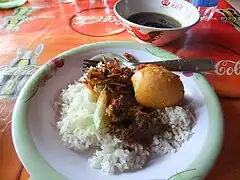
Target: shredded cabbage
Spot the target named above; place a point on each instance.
(99, 114)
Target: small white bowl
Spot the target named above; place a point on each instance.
(183, 11)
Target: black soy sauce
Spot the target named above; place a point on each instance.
(155, 20)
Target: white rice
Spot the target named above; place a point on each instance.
(114, 158)
(78, 132)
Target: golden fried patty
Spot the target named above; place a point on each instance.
(156, 87)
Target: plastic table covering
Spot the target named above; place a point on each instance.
(34, 33)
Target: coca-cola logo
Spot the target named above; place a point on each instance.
(82, 20)
(227, 67)
(165, 2)
(96, 23)
(41, 17)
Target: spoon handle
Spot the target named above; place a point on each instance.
(186, 65)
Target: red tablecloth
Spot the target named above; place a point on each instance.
(52, 30)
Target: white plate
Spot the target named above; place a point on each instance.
(41, 151)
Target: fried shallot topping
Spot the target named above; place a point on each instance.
(111, 75)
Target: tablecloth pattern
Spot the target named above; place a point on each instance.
(34, 33)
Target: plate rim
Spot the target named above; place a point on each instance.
(29, 155)
(12, 4)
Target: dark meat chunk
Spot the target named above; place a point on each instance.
(120, 108)
(138, 128)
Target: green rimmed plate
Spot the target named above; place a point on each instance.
(38, 144)
(11, 4)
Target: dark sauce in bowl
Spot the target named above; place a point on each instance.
(155, 20)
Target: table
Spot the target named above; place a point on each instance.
(46, 27)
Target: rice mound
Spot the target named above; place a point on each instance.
(78, 132)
